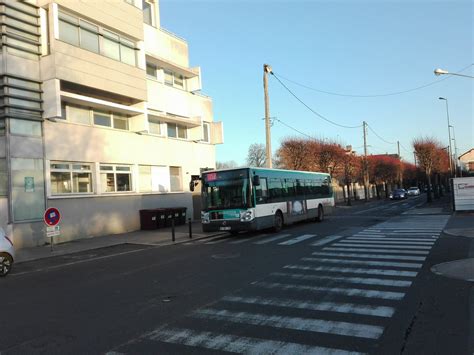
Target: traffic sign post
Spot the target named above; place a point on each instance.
(51, 219)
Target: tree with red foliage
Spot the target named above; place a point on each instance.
(351, 167)
(294, 154)
(329, 157)
(384, 169)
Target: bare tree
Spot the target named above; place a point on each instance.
(256, 155)
(226, 164)
(427, 152)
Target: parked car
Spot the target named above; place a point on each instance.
(413, 191)
(398, 194)
(7, 253)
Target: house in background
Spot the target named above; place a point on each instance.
(466, 161)
(101, 116)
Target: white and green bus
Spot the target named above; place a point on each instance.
(249, 199)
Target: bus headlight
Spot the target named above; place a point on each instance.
(205, 217)
(246, 216)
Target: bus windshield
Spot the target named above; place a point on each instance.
(226, 191)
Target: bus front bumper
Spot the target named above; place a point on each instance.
(229, 226)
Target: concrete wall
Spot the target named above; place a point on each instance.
(80, 66)
(179, 102)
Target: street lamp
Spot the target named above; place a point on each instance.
(449, 135)
(445, 72)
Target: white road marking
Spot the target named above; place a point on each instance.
(353, 270)
(385, 242)
(272, 239)
(400, 246)
(353, 280)
(298, 239)
(397, 251)
(351, 292)
(217, 241)
(365, 262)
(369, 310)
(430, 240)
(371, 256)
(235, 344)
(358, 330)
(326, 240)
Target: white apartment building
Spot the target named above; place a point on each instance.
(101, 116)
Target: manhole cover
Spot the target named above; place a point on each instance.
(226, 256)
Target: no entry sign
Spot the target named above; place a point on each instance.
(52, 216)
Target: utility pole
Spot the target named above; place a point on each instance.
(366, 167)
(267, 69)
(450, 152)
(414, 157)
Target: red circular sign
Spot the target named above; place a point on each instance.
(52, 216)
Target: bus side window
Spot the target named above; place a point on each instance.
(261, 191)
(300, 188)
(275, 190)
(325, 187)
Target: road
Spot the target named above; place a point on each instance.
(359, 282)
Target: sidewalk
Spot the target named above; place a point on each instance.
(162, 236)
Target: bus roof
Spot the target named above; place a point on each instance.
(267, 170)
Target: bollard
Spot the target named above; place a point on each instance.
(172, 230)
(190, 229)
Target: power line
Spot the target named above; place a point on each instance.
(379, 136)
(309, 108)
(405, 148)
(375, 95)
(293, 128)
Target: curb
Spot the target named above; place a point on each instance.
(151, 245)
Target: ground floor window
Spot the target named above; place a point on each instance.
(115, 178)
(70, 178)
(3, 177)
(153, 178)
(175, 178)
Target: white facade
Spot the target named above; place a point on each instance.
(103, 117)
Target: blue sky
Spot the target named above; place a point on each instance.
(349, 47)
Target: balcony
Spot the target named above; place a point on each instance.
(77, 65)
(166, 46)
(164, 98)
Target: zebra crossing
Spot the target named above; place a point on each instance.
(338, 299)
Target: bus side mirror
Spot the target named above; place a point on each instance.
(194, 181)
(256, 180)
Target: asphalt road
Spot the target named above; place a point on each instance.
(359, 282)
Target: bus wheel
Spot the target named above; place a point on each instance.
(320, 216)
(278, 222)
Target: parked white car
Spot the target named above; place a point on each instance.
(413, 191)
(7, 253)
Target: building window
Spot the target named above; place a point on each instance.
(154, 126)
(177, 131)
(151, 70)
(174, 79)
(86, 115)
(115, 178)
(96, 39)
(102, 119)
(148, 13)
(175, 178)
(168, 77)
(153, 178)
(89, 36)
(2, 126)
(70, 178)
(205, 132)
